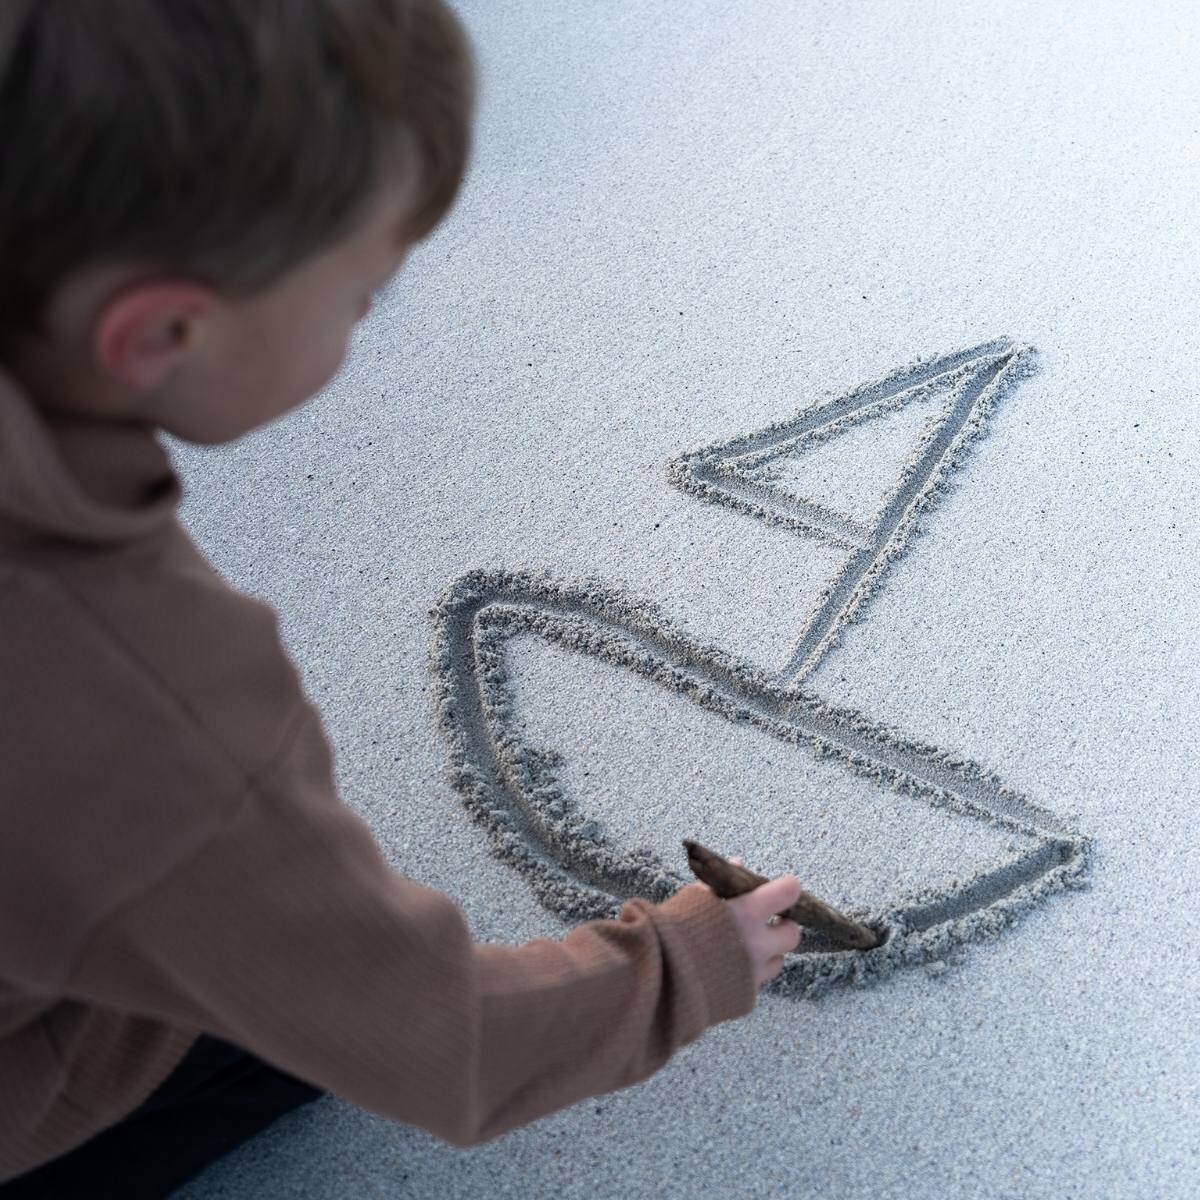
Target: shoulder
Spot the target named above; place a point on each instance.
(165, 626)
(141, 699)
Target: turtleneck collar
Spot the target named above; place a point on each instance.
(83, 479)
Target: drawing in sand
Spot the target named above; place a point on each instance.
(513, 790)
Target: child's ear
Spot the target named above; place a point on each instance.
(144, 330)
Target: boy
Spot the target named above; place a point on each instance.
(197, 201)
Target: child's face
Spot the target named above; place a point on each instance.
(259, 357)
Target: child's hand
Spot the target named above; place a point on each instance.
(767, 943)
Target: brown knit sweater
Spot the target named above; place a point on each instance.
(174, 858)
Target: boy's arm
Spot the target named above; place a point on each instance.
(288, 934)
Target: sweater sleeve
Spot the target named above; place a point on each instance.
(288, 934)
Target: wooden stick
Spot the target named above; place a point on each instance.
(729, 880)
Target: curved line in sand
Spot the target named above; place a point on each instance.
(512, 789)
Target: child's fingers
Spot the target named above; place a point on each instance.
(784, 937)
(774, 896)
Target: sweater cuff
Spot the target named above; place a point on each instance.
(698, 926)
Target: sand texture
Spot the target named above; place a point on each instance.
(789, 443)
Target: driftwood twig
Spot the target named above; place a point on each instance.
(729, 880)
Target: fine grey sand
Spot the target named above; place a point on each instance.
(650, 770)
(686, 224)
(853, 473)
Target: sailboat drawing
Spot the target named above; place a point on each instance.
(514, 791)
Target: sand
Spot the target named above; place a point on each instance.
(789, 443)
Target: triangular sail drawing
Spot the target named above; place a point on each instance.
(737, 473)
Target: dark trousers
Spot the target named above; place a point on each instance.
(218, 1097)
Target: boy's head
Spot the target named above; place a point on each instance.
(198, 197)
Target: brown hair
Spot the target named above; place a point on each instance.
(224, 139)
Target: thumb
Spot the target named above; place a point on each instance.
(774, 896)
